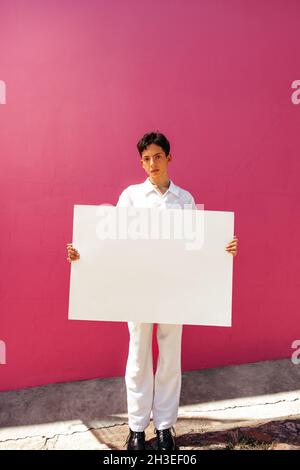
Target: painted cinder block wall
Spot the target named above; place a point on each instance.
(84, 81)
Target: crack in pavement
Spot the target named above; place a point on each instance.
(238, 406)
(62, 434)
(45, 447)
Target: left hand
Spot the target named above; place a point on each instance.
(232, 246)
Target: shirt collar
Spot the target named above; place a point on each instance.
(149, 187)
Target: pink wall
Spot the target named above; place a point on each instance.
(84, 81)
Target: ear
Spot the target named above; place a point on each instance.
(169, 157)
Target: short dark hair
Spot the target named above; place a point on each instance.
(153, 138)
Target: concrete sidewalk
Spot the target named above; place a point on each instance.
(253, 405)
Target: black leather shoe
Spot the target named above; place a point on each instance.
(135, 440)
(165, 439)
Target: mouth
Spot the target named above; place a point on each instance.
(154, 171)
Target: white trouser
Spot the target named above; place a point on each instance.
(144, 393)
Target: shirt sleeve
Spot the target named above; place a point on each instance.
(190, 201)
(193, 203)
(124, 199)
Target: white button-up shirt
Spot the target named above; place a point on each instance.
(145, 195)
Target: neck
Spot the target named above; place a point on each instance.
(164, 180)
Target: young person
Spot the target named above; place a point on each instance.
(147, 394)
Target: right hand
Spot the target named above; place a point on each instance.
(73, 254)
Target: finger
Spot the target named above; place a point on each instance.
(72, 253)
(233, 243)
(231, 248)
(71, 260)
(72, 250)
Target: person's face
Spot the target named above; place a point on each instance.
(155, 161)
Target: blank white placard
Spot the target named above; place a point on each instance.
(151, 280)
